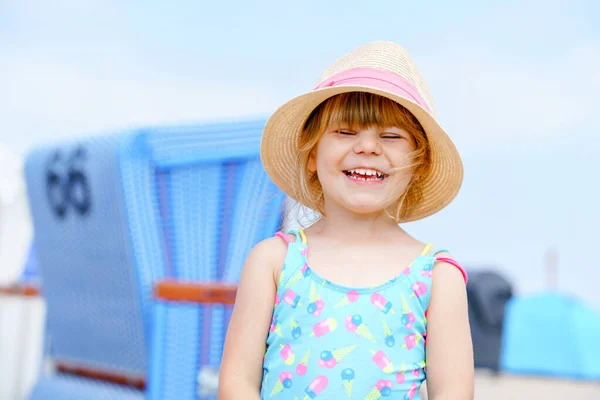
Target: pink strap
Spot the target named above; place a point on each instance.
(380, 79)
(284, 237)
(457, 265)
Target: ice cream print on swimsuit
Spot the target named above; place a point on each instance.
(326, 339)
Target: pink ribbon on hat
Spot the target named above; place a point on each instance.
(376, 78)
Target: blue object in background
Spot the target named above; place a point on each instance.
(65, 387)
(551, 334)
(215, 203)
(113, 215)
(31, 271)
(91, 289)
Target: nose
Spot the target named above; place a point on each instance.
(367, 143)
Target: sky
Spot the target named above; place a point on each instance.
(516, 85)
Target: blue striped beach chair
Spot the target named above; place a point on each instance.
(210, 225)
(113, 215)
(94, 308)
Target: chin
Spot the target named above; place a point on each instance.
(365, 208)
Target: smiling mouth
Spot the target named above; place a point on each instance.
(366, 175)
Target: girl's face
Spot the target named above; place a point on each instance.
(363, 170)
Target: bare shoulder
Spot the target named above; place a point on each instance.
(270, 248)
(448, 281)
(448, 271)
(270, 252)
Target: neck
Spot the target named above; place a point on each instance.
(339, 221)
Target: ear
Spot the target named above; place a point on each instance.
(312, 162)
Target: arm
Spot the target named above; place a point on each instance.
(450, 366)
(241, 367)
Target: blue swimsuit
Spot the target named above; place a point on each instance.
(329, 341)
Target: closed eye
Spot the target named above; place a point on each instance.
(345, 132)
(391, 136)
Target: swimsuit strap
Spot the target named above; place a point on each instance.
(295, 258)
(456, 264)
(284, 237)
(435, 253)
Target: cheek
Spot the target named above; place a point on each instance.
(327, 159)
(403, 160)
(404, 170)
(322, 162)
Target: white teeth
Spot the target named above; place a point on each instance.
(370, 174)
(367, 172)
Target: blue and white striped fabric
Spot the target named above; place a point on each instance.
(216, 202)
(81, 236)
(114, 214)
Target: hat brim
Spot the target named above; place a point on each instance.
(279, 148)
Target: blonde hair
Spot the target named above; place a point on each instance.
(361, 110)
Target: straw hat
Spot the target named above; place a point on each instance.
(383, 68)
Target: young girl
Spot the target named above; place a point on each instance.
(354, 307)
